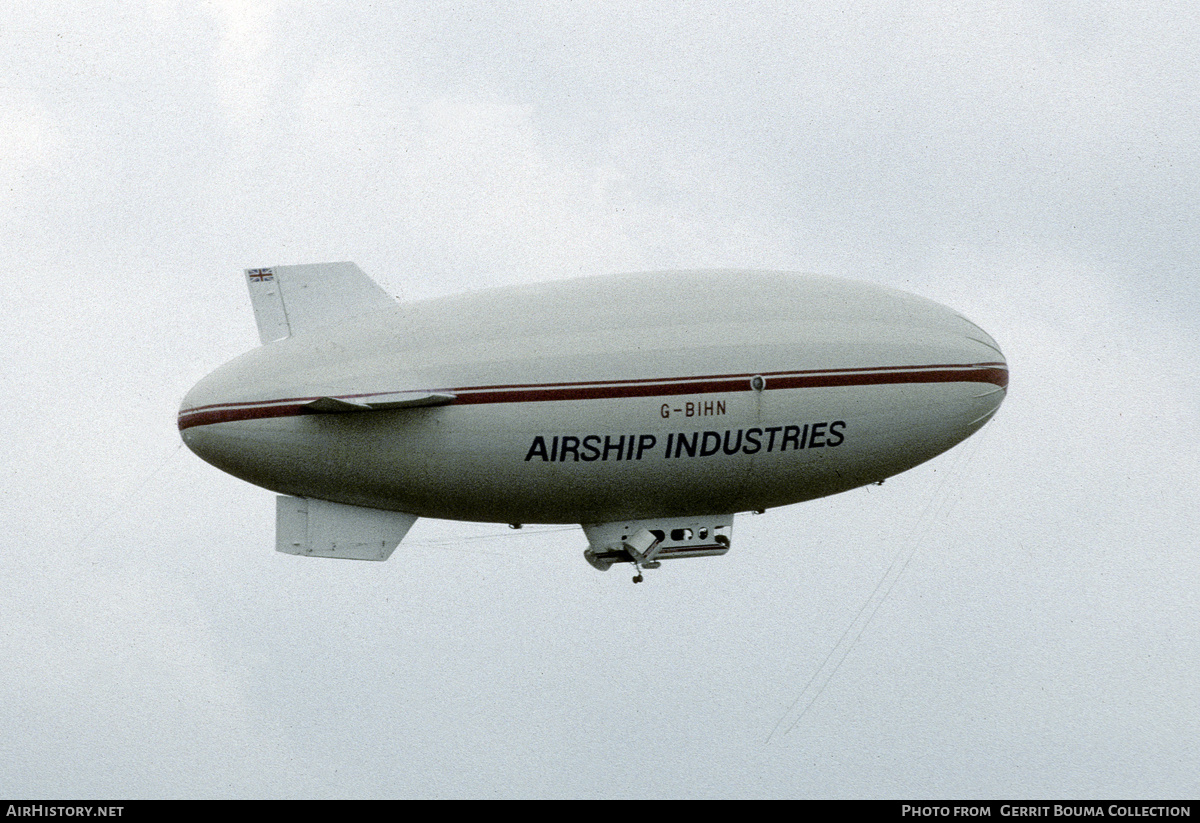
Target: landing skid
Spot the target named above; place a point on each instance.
(646, 543)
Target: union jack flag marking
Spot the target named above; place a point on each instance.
(259, 275)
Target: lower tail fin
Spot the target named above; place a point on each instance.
(318, 528)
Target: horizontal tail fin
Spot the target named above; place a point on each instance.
(288, 300)
(375, 402)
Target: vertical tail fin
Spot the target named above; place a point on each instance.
(319, 528)
(288, 300)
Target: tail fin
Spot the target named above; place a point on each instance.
(288, 300)
(319, 528)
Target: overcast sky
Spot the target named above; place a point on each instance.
(1032, 594)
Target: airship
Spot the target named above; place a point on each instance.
(647, 408)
